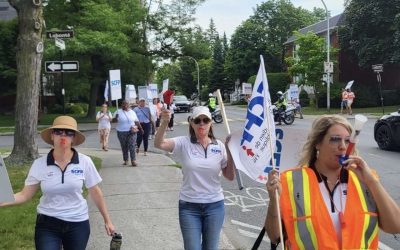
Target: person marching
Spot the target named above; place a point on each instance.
(127, 128)
(144, 115)
(104, 118)
(343, 104)
(350, 99)
(62, 214)
(203, 157)
(324, 205)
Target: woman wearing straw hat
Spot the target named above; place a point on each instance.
(62, 213)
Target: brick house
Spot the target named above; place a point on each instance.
(347, 70)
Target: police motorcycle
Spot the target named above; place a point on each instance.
(287, 115)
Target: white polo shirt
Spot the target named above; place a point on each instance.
(62, 191)
(201, 168)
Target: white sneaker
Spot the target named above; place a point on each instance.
(150, 137)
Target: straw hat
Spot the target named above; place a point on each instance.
(63, 122)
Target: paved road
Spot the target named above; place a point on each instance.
(246, 209)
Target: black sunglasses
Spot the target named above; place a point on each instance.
(61, 131)
(205, 120)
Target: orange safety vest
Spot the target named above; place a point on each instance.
(307, 221)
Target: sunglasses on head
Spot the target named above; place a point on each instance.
(205, 120)
(67, 132)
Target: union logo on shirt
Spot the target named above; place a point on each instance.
(77, 171)
(216, 150)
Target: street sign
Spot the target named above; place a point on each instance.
(377, 68)
(60, 43)
(61, 66)
(60, 34)
(328, 67)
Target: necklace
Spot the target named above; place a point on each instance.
(341, 216)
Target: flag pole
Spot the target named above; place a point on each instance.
(228, 130)
(271, 147)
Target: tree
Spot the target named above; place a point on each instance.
(369, 32)
(217, 74)
(28, 59)
(8, 67)
(264, 33)
(309, 60)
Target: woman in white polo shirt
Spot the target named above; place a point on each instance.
(203, 157)
(62, 213)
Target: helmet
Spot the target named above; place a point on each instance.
(279, 93)
(210, 94)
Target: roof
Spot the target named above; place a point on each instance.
(7, 12)
(320, 27)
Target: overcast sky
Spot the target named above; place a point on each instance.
(228, 14)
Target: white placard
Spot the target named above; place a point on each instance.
(6, 192)
(165, 84)
(246, 88)
(153, 90)
(144, 92)
(115, 84)
(349, 84)
(293, 92)
(130, 93)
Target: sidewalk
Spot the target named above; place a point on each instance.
(142, 201)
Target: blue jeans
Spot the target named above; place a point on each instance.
(201, 224)
(52, 233)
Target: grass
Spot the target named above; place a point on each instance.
(368, 111)
(17, 225)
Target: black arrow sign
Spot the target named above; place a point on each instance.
(61, 66)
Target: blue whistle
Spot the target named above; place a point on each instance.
(342, 159)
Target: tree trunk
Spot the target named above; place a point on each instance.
(29, 60)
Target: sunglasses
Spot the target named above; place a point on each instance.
(67, 132)
(336, 140)
(205, 120)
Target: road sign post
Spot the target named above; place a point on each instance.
(378, 69)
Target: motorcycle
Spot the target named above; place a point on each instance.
(287, 116)
(216, 115)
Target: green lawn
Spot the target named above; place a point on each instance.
(18, 222)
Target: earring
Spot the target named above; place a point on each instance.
(317, 154)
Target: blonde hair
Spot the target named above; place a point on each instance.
(318, 131)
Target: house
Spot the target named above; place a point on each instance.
(346, 69)
(7, 12)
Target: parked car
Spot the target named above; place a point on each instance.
(182, 103)
(387, 131)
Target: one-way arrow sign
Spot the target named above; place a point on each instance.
(61, 66)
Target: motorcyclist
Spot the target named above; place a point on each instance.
(281, 105)
(211, 102)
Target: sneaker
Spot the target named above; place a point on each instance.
(172, 129)
(145, 153)
(134, 164)
(150, 137)
(125, 163)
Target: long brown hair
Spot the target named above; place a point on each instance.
(318, 131)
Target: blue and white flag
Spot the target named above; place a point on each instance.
(106, 90)
(253, 148)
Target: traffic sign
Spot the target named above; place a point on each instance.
(377, 68)
(60, 43)
(328, 67)
(60, 34)
(61, 66)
